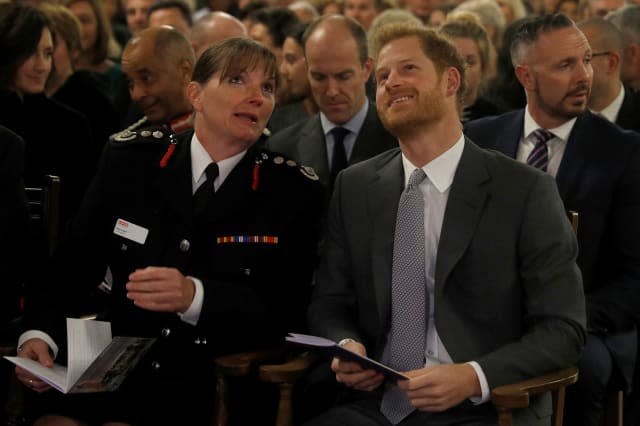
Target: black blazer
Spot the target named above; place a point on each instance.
(598, 177)
(305, 142)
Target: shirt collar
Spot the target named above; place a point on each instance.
(560, 132)
(610, 112)
(354, 124)
(181, 122)
(441, 169)
(200, 159)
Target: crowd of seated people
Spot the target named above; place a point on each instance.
(81, 79)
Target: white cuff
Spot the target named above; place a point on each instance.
(192, 315)
(484, 385)
(37, 334)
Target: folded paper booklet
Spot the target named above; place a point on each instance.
(331, 348)
(96, 362)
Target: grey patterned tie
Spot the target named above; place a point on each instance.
(539, 157)
(407, 336)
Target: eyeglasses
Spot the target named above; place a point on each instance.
(595, 54)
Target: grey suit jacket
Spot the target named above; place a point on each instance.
(305, 143)
(508, 293)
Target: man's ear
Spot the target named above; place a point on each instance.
(613, 62)
(186, 69)
(453, 79)
(525, 76)
(194, 92)
(368, 67)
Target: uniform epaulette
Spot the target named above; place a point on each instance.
(279, 159)
(150, 134)
(129, 133)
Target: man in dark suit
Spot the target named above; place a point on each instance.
(339, 66)
(597, 171)
(211, 242)
(609, 97)
(498, 296)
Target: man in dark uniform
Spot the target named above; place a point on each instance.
(158, 63)
(211, 241)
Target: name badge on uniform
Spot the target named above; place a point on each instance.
(131, 231)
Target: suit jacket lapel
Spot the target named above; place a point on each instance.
(467, 197)
(312, 150)
(372, 138)
(383, 196)
(509, 137)
(579, 146)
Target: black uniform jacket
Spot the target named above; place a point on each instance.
(255, 256)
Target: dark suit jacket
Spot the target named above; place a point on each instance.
(253, 292)
(507, 290)
(305, 142)
(629, 114)
(599, 177)
(14, 226)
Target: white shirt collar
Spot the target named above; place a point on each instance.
(610, 112)
(560, 132)
(441, 169)
(354, 124)
(200, 159)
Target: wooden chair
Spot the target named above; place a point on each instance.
(44, 209)
(514, 396)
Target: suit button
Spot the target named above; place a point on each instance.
(185, 245)
(166, 332)
(247, 272)
(123, 247)
(197, 341)
(155, 365)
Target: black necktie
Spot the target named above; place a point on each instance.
(204, 193)
(339, 160)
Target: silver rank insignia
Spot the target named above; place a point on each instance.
(309, 172)
(278, 160)
(145, 133)
(291, 163)
(125, 136)
(158, 134)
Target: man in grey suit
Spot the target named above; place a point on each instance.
(500, 291)
(339, 66)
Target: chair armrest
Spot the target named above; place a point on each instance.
(287, 372)
(8, 349)
(517, 395)
(240, 364)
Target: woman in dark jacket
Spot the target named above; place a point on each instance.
(57, 139)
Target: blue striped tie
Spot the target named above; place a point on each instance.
(539, 157)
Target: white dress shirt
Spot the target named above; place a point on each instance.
(555, 146)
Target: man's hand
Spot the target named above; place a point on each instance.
(351, 374)
(441, 387)
(160, 289)
(37, 350)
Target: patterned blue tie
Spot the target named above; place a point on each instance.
(409, 302)
(539, 157)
